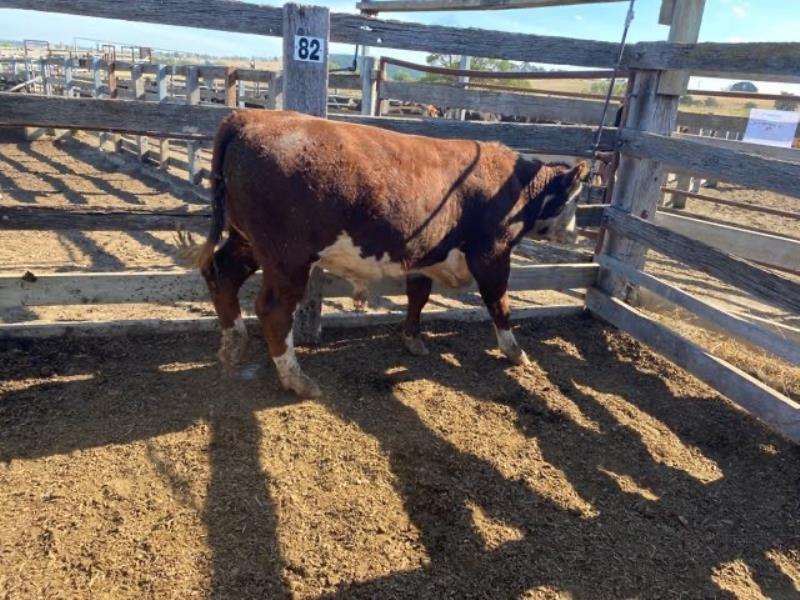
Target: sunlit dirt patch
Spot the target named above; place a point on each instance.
(629, 486)
(133, 467)
(737, 578)
(662, 443)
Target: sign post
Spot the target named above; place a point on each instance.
(306, 37)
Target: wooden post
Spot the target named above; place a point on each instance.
(653, 107)
(275, 92)
(97, 85)
(113, 92)
(638, 186)
(67, 77)
(367, 85)
(210, 88)
(163, 95)
(682, 183)
(463, 64)
(192, 148)
(240, 92)
(139, 94)
(381, 105)
(306, 37)
(685, 19)
(47, 85)
(230, 86)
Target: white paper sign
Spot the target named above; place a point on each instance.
(309, 49)
(771, 127)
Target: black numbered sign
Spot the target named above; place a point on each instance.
(309, 49)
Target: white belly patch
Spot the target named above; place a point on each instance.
(343, 258)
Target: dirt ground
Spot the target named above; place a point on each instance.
(133, 468)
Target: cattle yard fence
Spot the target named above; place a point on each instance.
(646, 142)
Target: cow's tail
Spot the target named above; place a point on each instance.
(202, 255)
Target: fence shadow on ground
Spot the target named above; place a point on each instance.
(11, 188)
(664, 543)
(100, 182)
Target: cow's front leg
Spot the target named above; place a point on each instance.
(277, 300)
(491, 275)
(360, 296)
(418, 290)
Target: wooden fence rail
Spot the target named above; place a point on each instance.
(201, 122)
(738, 327)
(524, 103)
(734, 203)
(777, 59)
(715, 162)
(436, 5)
(520, 105)
(773, 250)
(170, 287)
(770, 406)
(773, 289)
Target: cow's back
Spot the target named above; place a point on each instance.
(296, 184)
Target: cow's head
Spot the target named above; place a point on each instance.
(551, 211)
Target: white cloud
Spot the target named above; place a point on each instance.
(579, 17)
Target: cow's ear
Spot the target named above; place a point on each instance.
(580, 171)
(574, 177)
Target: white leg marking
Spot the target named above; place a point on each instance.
(360, 296)
(509, 346)
(415, 345)
(291, 375)
(233, 344)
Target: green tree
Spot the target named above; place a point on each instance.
(495, 65)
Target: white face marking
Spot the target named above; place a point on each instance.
(343, 258)
(560, 228)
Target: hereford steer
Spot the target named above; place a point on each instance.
(295, 191)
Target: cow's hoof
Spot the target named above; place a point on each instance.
(360, 297)
(517, 356)
(415, 345)
(232, 346)
(302, 385)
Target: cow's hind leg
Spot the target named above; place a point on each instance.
(275, 306)
(491, 275)
(418, 290)
(233, 263)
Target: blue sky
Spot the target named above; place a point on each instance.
(724, 21)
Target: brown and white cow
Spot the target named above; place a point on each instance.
(295, 191)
